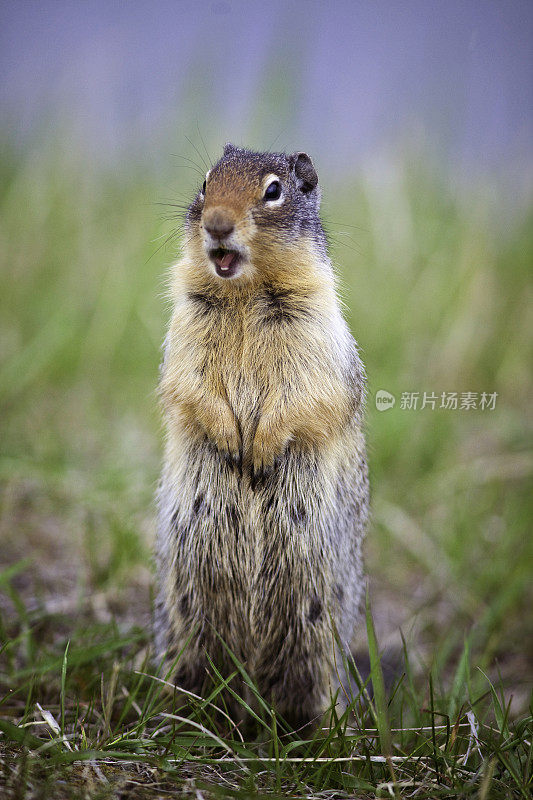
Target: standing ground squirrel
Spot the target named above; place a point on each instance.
(263, 498)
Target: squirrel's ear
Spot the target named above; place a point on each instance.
(305, 172)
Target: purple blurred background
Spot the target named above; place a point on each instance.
(341, 79)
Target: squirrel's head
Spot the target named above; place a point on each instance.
(250, 209)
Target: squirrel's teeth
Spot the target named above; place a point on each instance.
(226, 261)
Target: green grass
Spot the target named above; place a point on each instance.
(437, 291)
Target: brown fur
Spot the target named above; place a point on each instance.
(264, 494)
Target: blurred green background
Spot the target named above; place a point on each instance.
(435, 274)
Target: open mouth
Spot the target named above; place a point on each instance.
(226, 261)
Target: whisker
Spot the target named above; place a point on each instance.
(192, 163)
(276, 139)
(209, 159)
(198, 152)
(169, 239)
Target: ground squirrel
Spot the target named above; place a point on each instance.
(263, 498)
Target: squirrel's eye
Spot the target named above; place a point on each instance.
(273, 191)
(203, 187)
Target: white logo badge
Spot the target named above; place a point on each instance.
(384, 400)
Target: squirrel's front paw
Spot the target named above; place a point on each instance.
(229, 445)
(260, 473)
(267, 452)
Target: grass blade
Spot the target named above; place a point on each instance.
(378, 684)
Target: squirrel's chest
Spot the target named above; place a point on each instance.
(244, 358)
(244, 345)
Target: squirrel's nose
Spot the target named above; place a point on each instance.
(218, 222)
